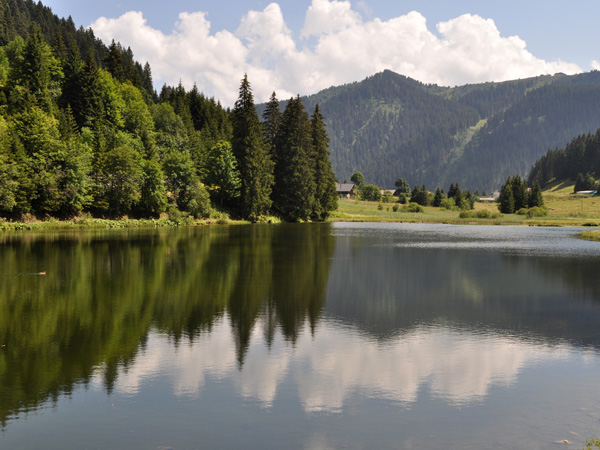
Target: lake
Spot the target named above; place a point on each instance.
(314, 336)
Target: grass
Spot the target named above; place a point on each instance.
(89, 223)
(564, 209)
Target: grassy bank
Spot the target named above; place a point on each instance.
(564, 209)
(89, 223)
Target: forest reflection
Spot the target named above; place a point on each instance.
(104, 291)
(336, 308)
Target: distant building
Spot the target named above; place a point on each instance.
(345, 190)
(586, 192)
(385, 192)
(487, 199)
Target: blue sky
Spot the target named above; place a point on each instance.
(301, 46)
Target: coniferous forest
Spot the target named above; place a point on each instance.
(579, 161)
(82, 131)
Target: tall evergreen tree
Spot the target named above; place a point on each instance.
(535, 196)
(439, 196)
(520, 194)
(295, 187)
(114, 61)
(271, 120)
(255, 164)
(507, 199)
(325, 195)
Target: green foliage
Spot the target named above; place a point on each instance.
(507, 199)
(326, 199)
(371, 193)
(593, 444)
(358, 179)
(439, 197)
(402, 185)
(537, 211)
(252, 154)
(481, 214)
(154, 193)
(121, 181)
(584, 183)
(413, 208)
(580, 156)
(223, 177)
(420, 195)
(295, 184)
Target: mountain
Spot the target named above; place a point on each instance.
(389, 126)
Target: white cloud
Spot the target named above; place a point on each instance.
(336, 46)
(459, 368)
(595, 65)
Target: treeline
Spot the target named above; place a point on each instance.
(516, 196)
(283, 162)
(455, 199)
(578, 161)
(83, 134)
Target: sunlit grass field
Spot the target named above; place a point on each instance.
(564, 209)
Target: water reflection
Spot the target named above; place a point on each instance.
(326, 368)
(390, 312)
(103, 292)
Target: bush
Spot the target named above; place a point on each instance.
(395, 208)
(537, 211)
(402, 199)
(449, 204)
(481, 214)
(413, 208)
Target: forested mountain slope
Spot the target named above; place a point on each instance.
(390, 126)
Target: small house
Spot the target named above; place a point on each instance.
(345, 190)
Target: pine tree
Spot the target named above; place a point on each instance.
(295, 188)
(271, 120)
(114, 62)
(507, 200)
(519, 190)
(439, 196)
(255, 164)
(325, 196)
(535, 197)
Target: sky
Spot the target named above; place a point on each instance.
(303, 46)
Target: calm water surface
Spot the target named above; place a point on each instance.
(300, 336)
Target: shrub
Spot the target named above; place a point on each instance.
(481, 214)
(395, 208)
(413, 208)
(402, 199)
(449, 204)
(537, 211)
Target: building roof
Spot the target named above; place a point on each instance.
(344, 187)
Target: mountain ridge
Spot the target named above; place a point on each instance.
(390, 126)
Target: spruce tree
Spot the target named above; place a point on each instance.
(325, 195)
(535, 197)
(114, 61)
(439, 196)
(271, 120)
(507, 200)
(295, 188)
(255, 164)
